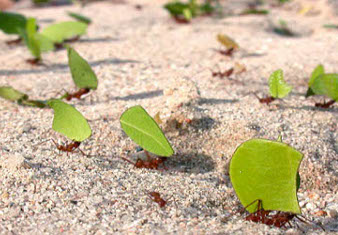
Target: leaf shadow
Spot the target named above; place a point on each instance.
(141, 95)
(62, 68)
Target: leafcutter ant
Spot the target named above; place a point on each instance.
(76, 94)
(180, 20)
(227, 52)
(34, 61)
(150, 163)
(156, 197)
(279, 219)
(325, 105)
(69, 148)
(220, 74)
(266, 100)
(59, 46)
(14, 42)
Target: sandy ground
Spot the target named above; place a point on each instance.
(143, 57)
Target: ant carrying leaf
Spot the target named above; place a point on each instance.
(229, 44)
(150, 163)
(278, 88)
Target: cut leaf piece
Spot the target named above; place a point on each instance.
(9, 93)
(68, 121)
(32, 41)
(11, 23)
(143, 129)
(227, 41)
(319, 70)
(82, 74)
(64, 30)
(45, 43)
(79, 17)
(326, 84)
(278, 87)
(266, 170)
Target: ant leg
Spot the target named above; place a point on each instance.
(148, 155)
(133, 163)
(83, 153)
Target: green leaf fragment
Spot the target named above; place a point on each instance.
(266, 170)
(227, 41)
(45, 43)
(143, 129)
(69, 121)
(278, 87)
(326, 84)
(64, 30)
(9, 93)
(32, 40)
(82, 74)
(11, 23)
(79, 17)
(319, 70)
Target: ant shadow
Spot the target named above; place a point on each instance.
(309, 108)
(62, 68)
(331, 225)
(191, 163)
(43, 171)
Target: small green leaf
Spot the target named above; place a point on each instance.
(45, 43)
(255, 12)
(319, 70)
(176, 8)
(79, 17)
(187, 14)
(227, 41)
(143, 129)
(278, 87)
(68, 121)
(64, 30)
(32, 39)
(82, 74)
(326, 84)
(11, 23)
(331, 26)
(266, 170)
(9, 93)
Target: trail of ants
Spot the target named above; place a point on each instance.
(150, 163)
(280, 219)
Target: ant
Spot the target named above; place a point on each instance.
(220, 74)
(181, 20)
(69, 148)
(59, 46)
(14, 41)
(150, 163)
(76, 94)
(227, 52)
(156, 197)
(34, 61)
(325, 105)
(279, 219)
(266, 100)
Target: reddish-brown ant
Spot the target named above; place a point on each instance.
(69, 148)
(76, 94)
(279, 219)
(266, 100)
(150, 163)
(156, 197)
(220, 74)
(34, 61)
(180, 20)
(227, 52)
(325, 105)
(61, 45)
(14, 42)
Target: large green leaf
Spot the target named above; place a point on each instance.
(319, 70)
(11, 23)
(326, 84)
(32, 41)
(79, 17)
(143, 129)
(266, 170)
(68, 121)
(278, 87)
(82, 74)
(64, 30)
(45, 43)
(9, 93)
